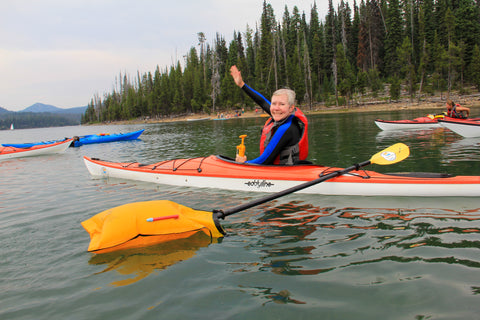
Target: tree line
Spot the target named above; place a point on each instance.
(420, 46)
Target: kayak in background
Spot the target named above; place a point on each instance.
(465, 128)
(421, 123)
(32, 144)
(224, 173)
(88, 139)
(13, 152)
(106, 137)
(198, 119)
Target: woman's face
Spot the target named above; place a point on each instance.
(280, 108)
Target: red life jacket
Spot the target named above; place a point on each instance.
(296, 152)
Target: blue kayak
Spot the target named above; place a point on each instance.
(88, 139)
(106, 137)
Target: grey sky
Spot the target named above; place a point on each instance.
(62, 52)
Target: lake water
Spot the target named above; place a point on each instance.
(298, 257)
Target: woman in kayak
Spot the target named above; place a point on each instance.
(454, 110)
(284, 137)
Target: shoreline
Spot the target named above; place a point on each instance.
(435, 103)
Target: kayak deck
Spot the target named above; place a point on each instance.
(224, 173)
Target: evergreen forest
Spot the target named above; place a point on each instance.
(413, 48)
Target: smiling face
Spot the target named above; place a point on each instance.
(281, 107)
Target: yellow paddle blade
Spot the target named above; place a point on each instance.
(118, 225)
(391, 155)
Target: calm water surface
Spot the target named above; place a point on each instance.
(299, 257)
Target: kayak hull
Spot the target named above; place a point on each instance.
(465, 128)
(222, 173)
(13, 152)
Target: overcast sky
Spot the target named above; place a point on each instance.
(62, 52)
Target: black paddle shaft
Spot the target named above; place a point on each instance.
(221, 214)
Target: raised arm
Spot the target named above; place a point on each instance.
(256, 96)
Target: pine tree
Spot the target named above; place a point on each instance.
(467, 28)
(405, 57)
(330, 39)
(393, 38)
(346, 76)
(474, 68)
(287, 46)
(423, 57)
(363, 39)
(315, 48)
(296, 74)
(266, 49)
(330, 47)
(201, 42)
(353, 42)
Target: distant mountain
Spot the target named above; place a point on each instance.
(2, 110)
(40, 107)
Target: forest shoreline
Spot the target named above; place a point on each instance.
(367, 106)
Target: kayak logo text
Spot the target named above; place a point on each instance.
(259, 184)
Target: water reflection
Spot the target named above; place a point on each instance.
(396, 135)
(409, 214)
(462, 149)
(302, 239)
(138, 263)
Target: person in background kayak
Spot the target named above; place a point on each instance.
(284, 137)
(454, 110)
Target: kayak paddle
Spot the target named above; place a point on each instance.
(118, 225)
